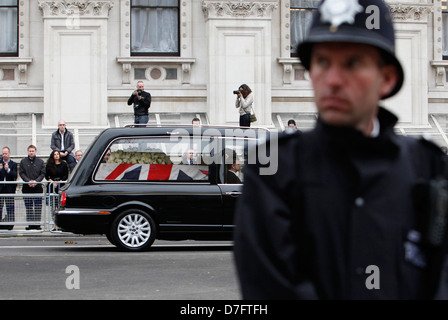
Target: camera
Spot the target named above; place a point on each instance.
(237, 91)
(139, 92)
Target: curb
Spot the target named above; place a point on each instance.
(47, 234)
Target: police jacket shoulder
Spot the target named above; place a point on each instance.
(281, 143)
(433, 155)
(430, 145)
(287, 137)
(278, 154)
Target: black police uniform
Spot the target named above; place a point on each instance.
(355, 227)
(312, 230)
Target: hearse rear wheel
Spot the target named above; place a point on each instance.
(133, 230)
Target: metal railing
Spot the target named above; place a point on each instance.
(29, 212)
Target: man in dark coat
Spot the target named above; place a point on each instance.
(141, 101)
(348, 213)
(32, 170)
(63, 141)
(8, 172)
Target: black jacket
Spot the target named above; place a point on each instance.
(32, 169)
(69, 141)
(140, 106)
(338, 204)
(9, 176)
(56, 172)
(232, 177)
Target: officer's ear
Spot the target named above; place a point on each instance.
(390, 78)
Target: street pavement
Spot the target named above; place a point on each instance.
(64, 266)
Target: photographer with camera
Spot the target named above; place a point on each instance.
(244, 101)
(141, 101)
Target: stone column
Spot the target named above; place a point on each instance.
(411, 33)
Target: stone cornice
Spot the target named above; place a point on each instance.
(70, 8)
(231, 9)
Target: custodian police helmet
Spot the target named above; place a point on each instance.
(357, 21)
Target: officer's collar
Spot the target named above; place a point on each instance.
(384, 122)
(350, 138)
(376, 128)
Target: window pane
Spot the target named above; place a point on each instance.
(156, 3)
(301, 15)
(8, 2)
(139, 74)
(8, 25)
(155, 30)
(444, 32)
(303, 4)
(235, 158)
(156, 159)
(300, 20)
(171, 74)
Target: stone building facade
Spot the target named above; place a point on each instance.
(79, 60)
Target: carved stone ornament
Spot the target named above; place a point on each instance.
(81, 8)
(405, 13)
(222, 9)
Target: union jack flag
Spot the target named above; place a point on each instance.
(150, 172)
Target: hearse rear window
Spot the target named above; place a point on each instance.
(154, 159)
(169, 159)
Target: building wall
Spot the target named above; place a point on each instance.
(74, 63)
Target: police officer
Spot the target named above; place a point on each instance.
(339, 220)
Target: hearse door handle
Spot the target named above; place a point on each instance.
(233, 193)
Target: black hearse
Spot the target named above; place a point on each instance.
(138, 184)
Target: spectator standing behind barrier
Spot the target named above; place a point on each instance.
(142, 102)
(62, 140)
(348, 214)
(8, 172)
(32, 169)
(292, 126)
(78, 156)
(244, 101)
(56, 170)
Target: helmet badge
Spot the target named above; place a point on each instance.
(336, 12)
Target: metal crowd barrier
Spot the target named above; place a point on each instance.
(29, 212)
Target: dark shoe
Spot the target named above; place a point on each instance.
(7, 227)
(33, 228)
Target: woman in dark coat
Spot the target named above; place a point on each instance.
(56, 170)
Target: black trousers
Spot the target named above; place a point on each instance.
(245, 120)
(33, 205)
